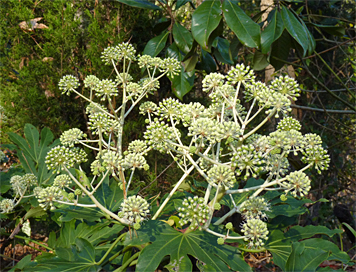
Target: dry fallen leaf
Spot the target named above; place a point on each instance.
(32, 24)
(47, 59)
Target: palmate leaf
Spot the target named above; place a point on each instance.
(280, 244)
(168, 241)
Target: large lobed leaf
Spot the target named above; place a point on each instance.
(167, 241)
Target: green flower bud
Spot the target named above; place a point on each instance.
(229, 226)
(221, 241)
(78, 192)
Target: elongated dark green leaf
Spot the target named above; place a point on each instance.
(280, 50)
(272, 32)
(243, 26)
(22, 144)
(174, 52)
(305, 259)
(167, 241)
(89, 214)
(207, 62)
(205, 19)
(222, 51)
(259, 61)
(295, 29)
(181, 3)
(182, 37)
(24, 262)
(189, 64)
(140, 4)
(35, 212)
(183, 83)
(33, 139)
(156, 45)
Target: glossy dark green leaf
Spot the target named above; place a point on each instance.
(180, 3)
(272, 32)
(205, 20)
(189, 64)
(243, 26)
(156, 45)
(235, 47)
(182, 37)
(167, 241)
(183, 83)
(140, 4)
(222, 51)
(207, 62)
(333, 30)
(280, 50)
(303, 258)
(35, 212)
(259, 61)
(174, 52)
(162, 25)
(295, 29)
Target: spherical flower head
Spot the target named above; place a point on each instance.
(148, 107)
(254, 90)
(294, 141)
(190, 112)
(77, 192)
(48, 195)
(246, 158)
(126, 50)
(37, 190)
(94, 108)
(229, 226)
(289, 123)
(60, 156)
(212, 81)
(220, 241)
(312, 140)
(100, 123)
(106, 88)
(276, 165)
(144, 61)
(223, 175)
(62, 181)
(137, 147)
(223, 94)
(205, 128)
(134, 90)
(168, 108)
(68, 83)
(172, 66)
(110, 54)
(278, 102)
(123, 78)
(71, 137)
(317, 156)
(150, 85)
(193, 211)
(29, 179)
(255, 231)
(134, 161)
(298, 184)
(254, 208)
(18, 185)
(134, 209)
(158, 134)
(240, 73)
(7, 205)
(286, 86)
(228, 129)
(97, 168)
(91, 81)
(111, 160)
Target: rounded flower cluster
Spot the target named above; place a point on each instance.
(286, 86)
(100, 122)
(106, 88)
(298, 184)
(169, 108)
(279, 102)
(190, 112)
(134, 209)
(71, 137)
(29, 179)
(96, 167)
(7, 205)
(18, 185)
(254, 208)
(134, 90)
(246, 158)
(170, 65)
(149, 62)
(61, 156)
(289, 123)
(294, 141)
(277, 165)
(48, 195)
(212, 81)
(222, 175)
(193, 211)
(148, 107)
(111, 160)
(117, 53)
(223, 94)
(149, 85)
(91, 82)
(229, 129)
(135, 161)
(254, 90)
(255, 231)
(62, 181)
(122, 78)
(205, 128)
(316, 155)
(157, 135)
(68, 83)
(240, 73)
(137, 147)
(312, 139)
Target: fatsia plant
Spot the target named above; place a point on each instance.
(238, 168)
